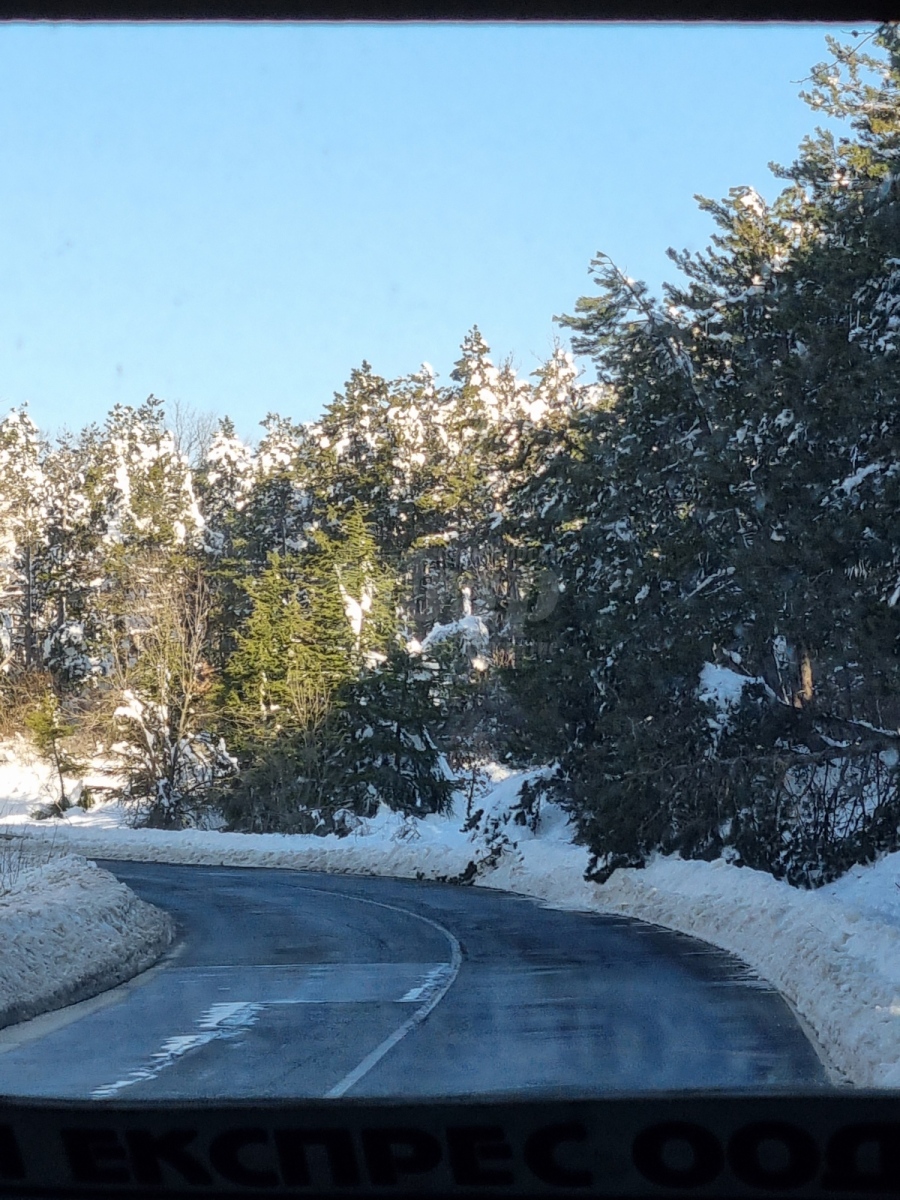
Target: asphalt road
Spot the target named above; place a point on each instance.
(290, 984)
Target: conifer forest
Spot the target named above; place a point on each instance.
(674, 574)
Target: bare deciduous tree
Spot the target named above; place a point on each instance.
(162, 678)
(192, 429)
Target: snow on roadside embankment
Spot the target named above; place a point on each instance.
(839, 968)
(69, 930)
(834, 953)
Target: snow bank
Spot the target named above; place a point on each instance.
(833, 953)
(69, 930)
(839, 968)
(434, 847)
(360, 853)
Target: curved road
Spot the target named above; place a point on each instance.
(288, 984)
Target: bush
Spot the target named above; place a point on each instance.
(21, 693)
(295, 784)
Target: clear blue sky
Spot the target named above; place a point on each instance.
(236, 216)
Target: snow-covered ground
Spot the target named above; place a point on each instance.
(68, 930)
(834, 953)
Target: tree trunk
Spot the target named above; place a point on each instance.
(28, 631)
(804, 694)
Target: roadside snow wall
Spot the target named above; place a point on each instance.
(69, 930)
(838, 967)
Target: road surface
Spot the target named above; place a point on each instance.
(289, 984)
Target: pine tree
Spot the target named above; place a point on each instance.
(278, 509)
(314, 619)
(228, 487)
(277, 671)
(49, 729)
(71, 570)
(226, 478)
(391, 755)
(148, 486)
(730, 502)
(22, 522)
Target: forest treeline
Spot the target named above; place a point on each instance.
(679, 583)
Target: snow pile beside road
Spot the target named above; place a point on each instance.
(69, 930)
(434, 847)
(383, 849)
(834, 953)
(24, 780)
(385, 845)
(838, 967)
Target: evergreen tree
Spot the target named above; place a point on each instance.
(147, 485)
(731, 502)
(391, 755)
(49, 729)
(226, 479)
(277, 672)
(314, 619)
(277, 511)
(22, 523)
(71, 571)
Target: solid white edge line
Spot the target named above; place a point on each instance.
(353, 1077)
(389, 1042)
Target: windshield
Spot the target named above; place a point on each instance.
(448, 648)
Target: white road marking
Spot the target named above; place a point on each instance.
(434, 977)
(228, 1019)
(219, 1021)
(434, 997)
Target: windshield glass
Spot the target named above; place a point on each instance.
(448, 648)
